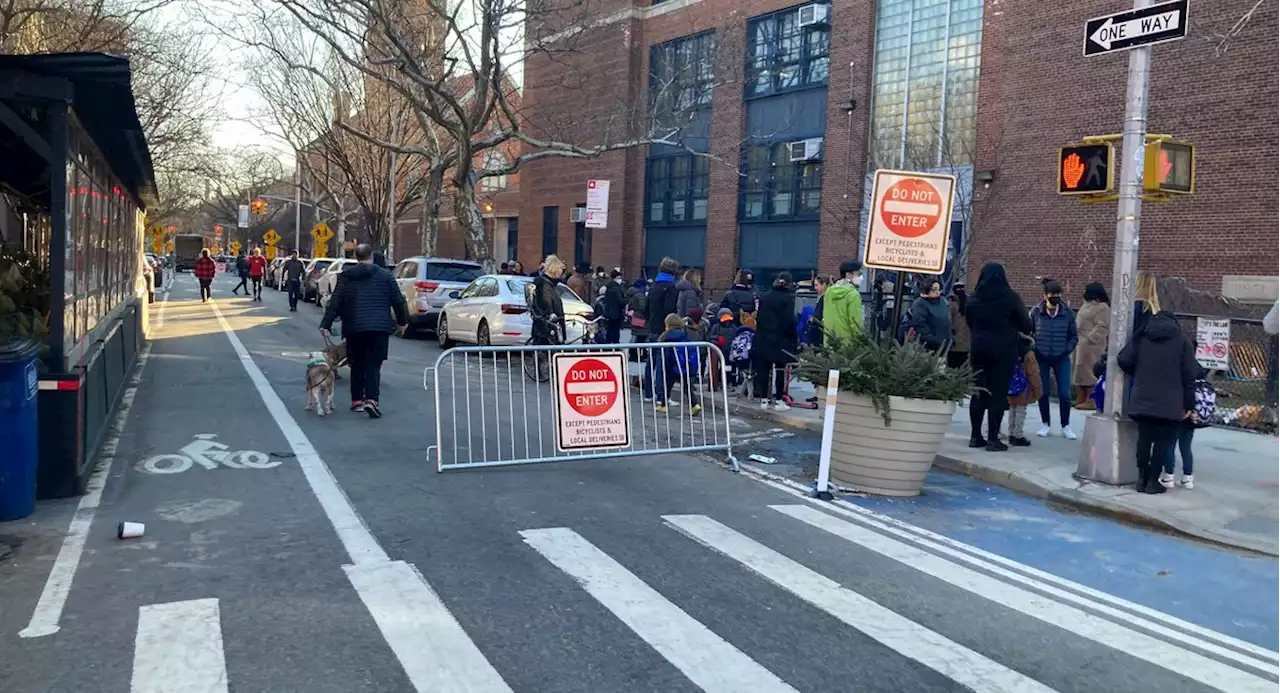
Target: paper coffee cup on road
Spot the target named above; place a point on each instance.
(130, 530)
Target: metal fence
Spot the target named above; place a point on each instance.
(1246, 395)
(495, 406)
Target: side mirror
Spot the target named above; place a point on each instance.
(455, 294)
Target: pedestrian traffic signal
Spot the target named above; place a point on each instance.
(1086, 169)
(1169, 167)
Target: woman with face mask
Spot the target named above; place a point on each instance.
(1055, 335)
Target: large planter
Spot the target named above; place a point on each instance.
(868, 456)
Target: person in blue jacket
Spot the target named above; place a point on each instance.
(1055, 335)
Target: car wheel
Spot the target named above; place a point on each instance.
(442, 333)
(482, 334)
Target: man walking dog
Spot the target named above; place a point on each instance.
(364, 298)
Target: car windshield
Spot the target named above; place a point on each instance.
(322, 264)
(452, 272)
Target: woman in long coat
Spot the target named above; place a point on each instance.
(1093, 324)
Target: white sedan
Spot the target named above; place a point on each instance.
(328, 281)
(492, 311)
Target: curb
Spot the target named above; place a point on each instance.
(1020, 484)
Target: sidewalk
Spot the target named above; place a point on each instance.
(1234, 501)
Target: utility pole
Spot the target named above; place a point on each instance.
(1109, 440)
(297, 204)
(391, 195)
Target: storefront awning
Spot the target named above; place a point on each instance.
(102, 92)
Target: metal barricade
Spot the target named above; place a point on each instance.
(495, 406)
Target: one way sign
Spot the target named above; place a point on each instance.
(1142, 27)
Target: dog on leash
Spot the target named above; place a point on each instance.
(320, 377)
(336, 356)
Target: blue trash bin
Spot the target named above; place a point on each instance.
(18, 383)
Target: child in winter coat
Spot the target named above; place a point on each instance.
(1026, 380)
(720, 334)
(681, 366)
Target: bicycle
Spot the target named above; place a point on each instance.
(537, 368)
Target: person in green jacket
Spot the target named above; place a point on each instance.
(842, 304)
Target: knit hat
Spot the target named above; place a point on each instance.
(695, 314)
(724, 315)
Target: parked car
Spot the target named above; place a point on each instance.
(493, 311)
(426, 282)
(315, 268)
(272, 277)
(328, 281)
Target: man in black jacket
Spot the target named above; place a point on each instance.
(615, 304)
(364, 298)
(292, 270)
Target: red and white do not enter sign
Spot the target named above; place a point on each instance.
(911, 207)
(591, 387)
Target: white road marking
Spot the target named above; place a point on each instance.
(412, 618)
(705, 658)
(1189, 664)
(1121, 609)
(53, 598)
(906, 637)
(178, 649)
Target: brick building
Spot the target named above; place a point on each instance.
(1037, 93)
(894, 84)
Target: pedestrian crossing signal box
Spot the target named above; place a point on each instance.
(1086, 169)
(1169, 167)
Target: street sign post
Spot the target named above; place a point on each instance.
(592, 401)
(1142, 26)
(597, 204)
(910, 221)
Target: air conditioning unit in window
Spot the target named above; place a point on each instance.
(803, 150)
(813, 14)
(578, 215)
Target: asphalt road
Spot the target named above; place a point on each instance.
(338, 559)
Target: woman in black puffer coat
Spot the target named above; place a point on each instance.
(777, 338)
(995, 315)
(1162, 362)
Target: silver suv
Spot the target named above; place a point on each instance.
(425, 283)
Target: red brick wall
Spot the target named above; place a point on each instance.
(1038, 93)
(614, 58)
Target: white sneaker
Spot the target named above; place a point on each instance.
(1069, 434)
(1188, 482)
(781, 406)
(764, 404)
(1166, 479)
(1044, 431)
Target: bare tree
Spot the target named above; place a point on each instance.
(243, 175)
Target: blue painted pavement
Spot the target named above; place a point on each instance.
(1231, 592)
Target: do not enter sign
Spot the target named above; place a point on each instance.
(912, 221)
(591, 401)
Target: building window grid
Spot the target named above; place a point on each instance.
(681, 75)
(782, 55)
(777, 188)
(917, 41)
(676, 190)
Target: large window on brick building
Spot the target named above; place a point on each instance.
(681, 76)
(775, 187)
(786, 51)
(676, 189)
(550, 230)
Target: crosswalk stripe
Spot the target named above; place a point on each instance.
(1187, 663)
(908, 638)
(434, 650)
(178, 648)
(705, 658)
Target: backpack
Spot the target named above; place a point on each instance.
(1206, 400)
(740, 347)
(1018, 384)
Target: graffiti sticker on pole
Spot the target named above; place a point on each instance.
(910, 221)
(592, 408)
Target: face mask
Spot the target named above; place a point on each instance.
(856, 279)
(1055, 300)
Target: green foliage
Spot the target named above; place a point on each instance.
(24, 296)
(882, 371)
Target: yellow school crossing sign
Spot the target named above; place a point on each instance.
(235, 247)
(271, 238)
(321, 233)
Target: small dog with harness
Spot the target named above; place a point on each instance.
(320, 377)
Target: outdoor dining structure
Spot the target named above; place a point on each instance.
(77, 177)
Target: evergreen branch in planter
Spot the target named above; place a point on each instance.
(883, 371)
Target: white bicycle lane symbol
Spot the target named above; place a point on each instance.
(207, 453)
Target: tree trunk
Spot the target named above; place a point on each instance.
(429, 225)
(471, 221)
